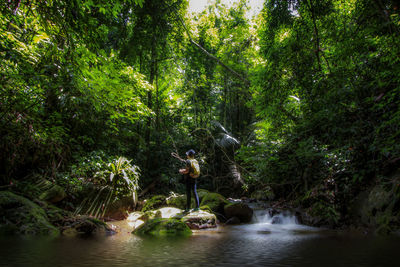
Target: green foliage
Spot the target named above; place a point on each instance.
(325, 96)
(120, 174)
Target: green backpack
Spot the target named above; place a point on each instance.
(194, 168)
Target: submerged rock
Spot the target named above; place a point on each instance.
(240, 210)
(163, 227)
(276, 220)
(83, 226)
(19, 215)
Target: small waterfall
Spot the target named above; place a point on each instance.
(273, 216)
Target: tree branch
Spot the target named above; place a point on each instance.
(246, 81)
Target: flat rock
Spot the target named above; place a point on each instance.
(200, 220)
(195, 220)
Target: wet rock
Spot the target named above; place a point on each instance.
(134, 216)
(19, 215)
(276, 220)
(376, 209)
(163, 227)
(233, 220)
(195, 220)
(83, 226)
(240, 210)
(200, 220)
(305, 218)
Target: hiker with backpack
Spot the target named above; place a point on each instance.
(191, 173)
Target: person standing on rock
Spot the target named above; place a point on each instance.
(191, 173)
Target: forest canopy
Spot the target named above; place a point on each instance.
(301, 100)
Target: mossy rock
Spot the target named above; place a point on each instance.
(154, 203)
(150, 215)
(21, 216)
(83, 226)
(179, 202)
(206, 208)
(201, 193)
(163, 227)
(215, 202)
(54, 194)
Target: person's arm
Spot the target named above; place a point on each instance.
(186, 170)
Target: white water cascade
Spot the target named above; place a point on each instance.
(279, 223)
(270, 216)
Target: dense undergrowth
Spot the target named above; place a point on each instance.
(300, 103)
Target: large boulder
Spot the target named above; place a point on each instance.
(215, 202)
(54, 194)
(19, 215)
(163, 227)
(200, 220)
(376, 209)
(239, 210)
(202, 193)
(178, 201)
(195, 220)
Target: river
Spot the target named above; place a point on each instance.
(257, 244)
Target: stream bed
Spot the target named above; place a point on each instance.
(260, 243)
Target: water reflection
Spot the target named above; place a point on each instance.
(258, 244)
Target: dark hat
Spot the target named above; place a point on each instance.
(190, 152)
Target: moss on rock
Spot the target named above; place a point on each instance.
(163, 227)
(179, 202)
(214, 201)
(201, 193)
(19, 215)
(83, 226)
(154, 203)
(54, 194)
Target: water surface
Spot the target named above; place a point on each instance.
(257, 244)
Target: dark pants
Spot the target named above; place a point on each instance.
(191, 184)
